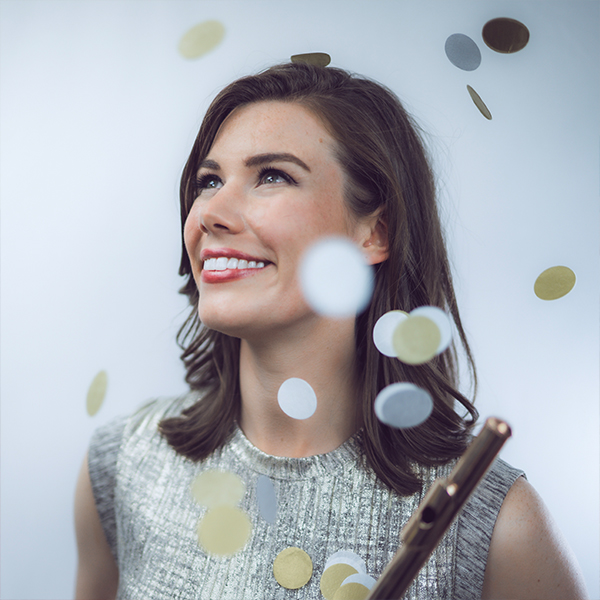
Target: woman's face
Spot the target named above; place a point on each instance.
(269, 187)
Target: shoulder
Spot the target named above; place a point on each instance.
(528, 557)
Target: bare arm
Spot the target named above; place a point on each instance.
(97, 573)
(529, 558)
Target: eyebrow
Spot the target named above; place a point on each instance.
(260, 159)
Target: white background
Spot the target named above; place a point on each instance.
(98, 113)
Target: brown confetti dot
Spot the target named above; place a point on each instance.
(333, 578)
(351, 591)
(504, 35)
(224, 530)
(479, 103)
(416, 340)
(96, 393)
(292, 568)
(201, 39)
(320, 59)
(216, 488)
(554, 283)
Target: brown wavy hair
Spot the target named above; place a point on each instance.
(381, 151)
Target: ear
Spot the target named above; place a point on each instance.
(375, 241)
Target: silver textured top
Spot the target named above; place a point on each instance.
(325, 503)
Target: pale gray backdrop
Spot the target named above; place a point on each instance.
(98, 113)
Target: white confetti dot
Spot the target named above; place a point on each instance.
(335, 279)
(383, 332)
(297, 399)
(403, 405)
(361, 578)
(440, 318)
(348, 558)
(266, 499)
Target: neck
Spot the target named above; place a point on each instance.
(324, 357)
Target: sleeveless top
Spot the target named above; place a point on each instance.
(325, 503)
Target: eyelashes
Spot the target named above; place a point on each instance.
(266, 176)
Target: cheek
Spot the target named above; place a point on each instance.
(191, 235)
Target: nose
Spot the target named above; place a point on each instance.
(221, 212)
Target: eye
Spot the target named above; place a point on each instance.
(209, 181)
(269, 175)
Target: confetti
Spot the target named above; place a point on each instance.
(297, 399)
(348, 558)
(554, 283)
(335, 278)
(463, 52)
(403, 405)
(440, 318)
(201, 39)
(292, 568)
(96, 393)
(319, 59)
(505, 35)
(416, 340)
(218, 488)
(355, 587)
(224, 530)
(266, 498)
(479, 103)
(333, 577)
(383, 331)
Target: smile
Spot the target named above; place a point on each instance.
(223, 263)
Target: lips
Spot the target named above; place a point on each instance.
(225, 264)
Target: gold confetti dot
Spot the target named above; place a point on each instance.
(479, 103)
(351, 591)
(333, 577)
(292, 568)
(320, 59)
(96, 393)
(416, 340)
(224, 530)
(505, 35)
(554, 283)
(218, 488)
(201, 39)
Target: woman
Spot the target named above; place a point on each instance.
(283, 159)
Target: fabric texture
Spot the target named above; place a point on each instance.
(325, 503)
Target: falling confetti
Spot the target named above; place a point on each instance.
(416, 340)
(335, 279)
(355, 587)
(292, 568)
(266, 499)
(403, 405)
(383, 331)
(479, 103)
(96, 393)
(218, 488)
(320, 59)
(554, 283)
(333, 577)
(224, 530)
(505, 35)
(201, 39)
(297, 399)
(463, 52)
(348, 558)
(440, 318)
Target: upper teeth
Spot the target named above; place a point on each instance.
(222, 263)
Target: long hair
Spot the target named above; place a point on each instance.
(383, 157)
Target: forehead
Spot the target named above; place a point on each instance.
(273, 126)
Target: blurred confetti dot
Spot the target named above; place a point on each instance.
(479, 103)
(348, 558)
(266, 498)
(403, 405)
(224, 530)
(201, 39)
(440, 318)
(463, 52)
(297, 399)
(320, 59)
(96, 393)
(554, 283)
(383, 331)
(292, 568)
(416, 340)
(333, 578)
(218, 488)
(355, 587)
(335, 279)
(504, 35)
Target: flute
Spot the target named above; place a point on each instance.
(438, 509)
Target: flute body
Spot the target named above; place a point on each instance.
(438, 509)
